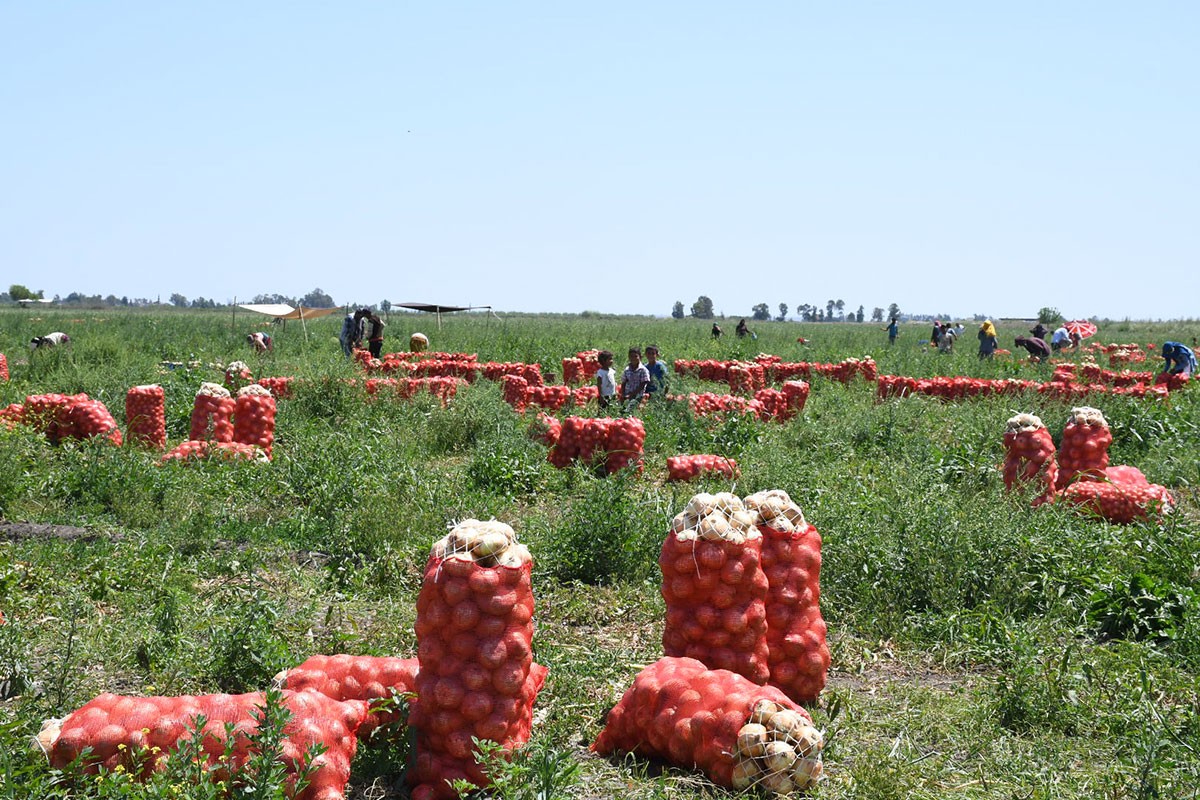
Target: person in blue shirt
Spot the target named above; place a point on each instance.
(893, 330)
(1180, 360)
(658, 372)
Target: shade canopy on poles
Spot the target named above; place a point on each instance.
(285, 312)
(438, 308)
(1081, 327)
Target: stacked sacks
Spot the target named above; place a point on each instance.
(746, 378)
(474, 641)
(113, 729)
(45, 412)
(613, 444)
(686, 468)
(551, 398)
(798, 654)
(584, 395)
(714, 587)
(237, 375)
(254, 417)
(212, 414)
(581, 368)
(145, 416)
(1084, 451)
(1029, 456)
(366, 678)
(736, 732)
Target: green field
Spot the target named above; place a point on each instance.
(981, 648)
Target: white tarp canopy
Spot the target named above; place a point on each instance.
(284, 311)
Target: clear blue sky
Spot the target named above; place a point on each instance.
(951, 157)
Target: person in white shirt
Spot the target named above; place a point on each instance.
(606, 378)
(1060, 339)
(49, 340)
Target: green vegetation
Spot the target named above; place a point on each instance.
(981, 648)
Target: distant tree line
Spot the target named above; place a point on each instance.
(833, 311)
(314, 299)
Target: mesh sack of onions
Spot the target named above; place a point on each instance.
(193, 450)
(475, 645)
(366, 678)
(1029, 456)
(515, 391)
(116, 728)
(145, 416)
(237, 375)
(254, 417)
(738, 733)
(87, 418)
(686, 468)
(280, 387)
(1083, 453)
(1122, 503)
(3, 368)
(545, 429)
(46, 414)
(212, 414)
(797, 652)
(714, 587)
(12, 415)
(796, 395)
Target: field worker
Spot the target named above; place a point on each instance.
(1038, 349)
(352, 331)
(987, 339)
(741, 330)
(375, 328)
(418, 343)
(1039, 331)
(1060, 339)
(635, 380)
(260, 341)
(606, 379)
(49, 340)
(935, 336)
(946, 341)
(893, 330)
(1179, 358)
(716, 331)
(658, 372)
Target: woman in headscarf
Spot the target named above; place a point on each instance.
(987, 339)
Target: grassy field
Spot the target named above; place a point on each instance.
(966, 628)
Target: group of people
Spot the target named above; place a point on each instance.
(637, 381)
(360, 324)
(742, 330)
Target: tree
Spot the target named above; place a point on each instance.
(19, 292)
(841, 306)
(803, 309)
(385, 306)
(1049, 314)
(677, 310)
(179, 300)
(893, 311)
(877, 314)
(317, 299)
(858, 316)
(783, 309)
(829, 305)
(702, 308)
(761, 312)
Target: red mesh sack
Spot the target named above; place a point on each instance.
(515, 390)
(686, 468)
(254, 418)
(572, 369)
(87, 418)
(551, 398)
(145, 416)
(1029, 456)
(797, 652)
(714, 587)
(237, 375)
(717, 721)
(475, 644)
(192, 450)
(367, 678)
(584, 395)
(796, 395)
(623, 444)
(280, 387)
(46, 414)
(1118, 502)
(212, 414)
(12, 415)
(3, 368)
(545, 429)
(113, 725)
(1084, 451)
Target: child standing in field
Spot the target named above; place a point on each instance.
(635, 381)
(658, 372)
(606, 379)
